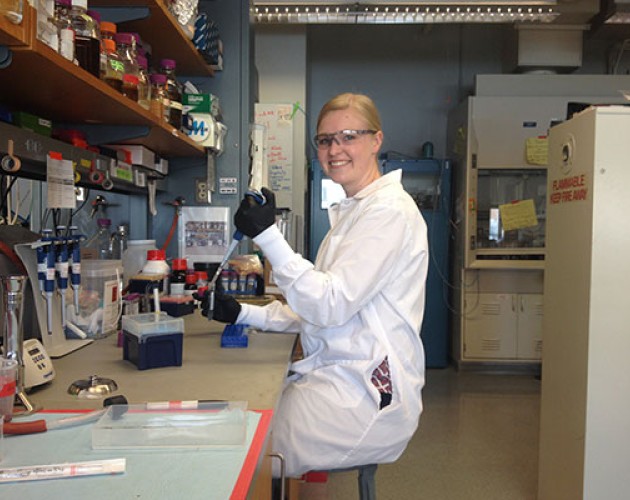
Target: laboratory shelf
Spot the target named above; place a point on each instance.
(41, 82)
(14, 34)
(160, 30)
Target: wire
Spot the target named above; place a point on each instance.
(5, 203)
(172, 230)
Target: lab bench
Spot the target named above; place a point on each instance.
(254, 374)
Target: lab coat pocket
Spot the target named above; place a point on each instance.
(342, 384)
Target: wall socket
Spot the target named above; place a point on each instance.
(201, 191)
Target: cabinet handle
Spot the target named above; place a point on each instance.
(521, 300)
(513, 303)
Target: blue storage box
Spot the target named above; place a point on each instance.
(153, 340)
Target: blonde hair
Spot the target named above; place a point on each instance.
(359, 102)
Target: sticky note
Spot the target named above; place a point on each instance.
(537, 150)
(518, 215)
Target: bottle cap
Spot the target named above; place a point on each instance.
(156, 255)
(133, 79)
(109, 45)
(123, 38)
(94, 15)
(80, 3)
(107, 27)
(201, 275)
(142, 61)
(168, 63)
(179, 265)
(158, 79)
(191, 279)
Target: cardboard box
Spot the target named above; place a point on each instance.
(33, 123)
(201, 103)
(136, 155)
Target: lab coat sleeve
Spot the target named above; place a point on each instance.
(276, 317)
(363, 264)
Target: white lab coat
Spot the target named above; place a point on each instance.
(361, 301)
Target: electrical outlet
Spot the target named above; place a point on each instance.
(201, 191)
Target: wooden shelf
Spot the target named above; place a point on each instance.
(16, 34)
(162, 31)
(42, 82)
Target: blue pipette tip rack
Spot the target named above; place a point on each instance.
(234, 336)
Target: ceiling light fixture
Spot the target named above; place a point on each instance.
(436, 13)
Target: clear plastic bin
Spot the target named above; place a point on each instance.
(186, 425)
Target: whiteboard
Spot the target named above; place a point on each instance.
(278, 121)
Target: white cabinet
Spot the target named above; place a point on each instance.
(503, 326)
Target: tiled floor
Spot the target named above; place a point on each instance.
(477, 440)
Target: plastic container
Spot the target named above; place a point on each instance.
(153, 340)
(100, 297)
(167, 67)
(211, 425)
(159, 104)
(144, 84)
(8, 378)
(113, 69)
(135, 257)
(100, 243)
(87, 38)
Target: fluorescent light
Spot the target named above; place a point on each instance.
(402, 14)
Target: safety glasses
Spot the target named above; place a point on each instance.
(341, 138)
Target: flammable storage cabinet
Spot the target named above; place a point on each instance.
(498, 143)
(585, 405)
(429, 183)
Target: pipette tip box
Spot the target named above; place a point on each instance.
(153, 340)
(234, 336)
(206, 425)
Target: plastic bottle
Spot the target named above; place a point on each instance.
(119, 241)
(144, 84)
(87, 41)
(178, 277)
(114, 67)
(160, 104)
(191, 285)
(135, 257)
(157, 268)
(65, 32)
(100, 243)
(108, 30)
(130, 87)
(167, 67)
(125, 43)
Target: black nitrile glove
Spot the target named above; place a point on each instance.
(226, 308)
(251, 219)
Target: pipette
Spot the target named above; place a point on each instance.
(259, 198)
(61, 266)
(75, 265)
(49, 277)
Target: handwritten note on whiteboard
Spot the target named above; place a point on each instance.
(277, 118)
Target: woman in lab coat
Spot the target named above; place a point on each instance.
(355, 397)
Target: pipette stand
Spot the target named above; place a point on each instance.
(55, 343)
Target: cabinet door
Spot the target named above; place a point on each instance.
(490, 326)
(529, 331)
